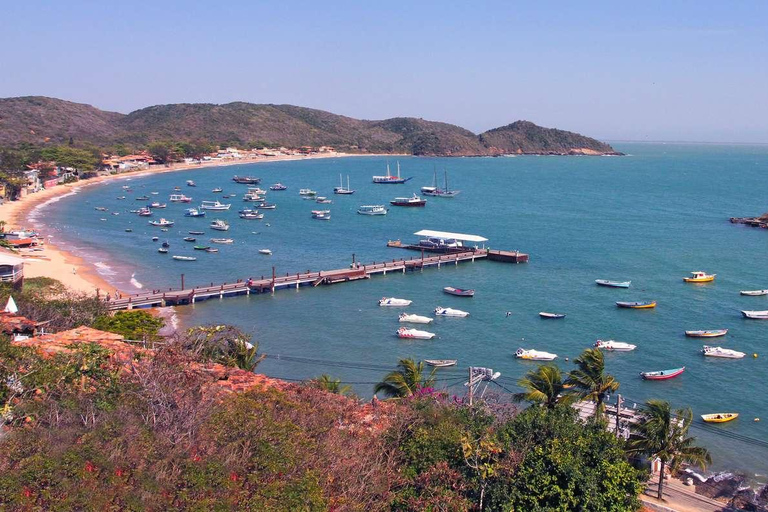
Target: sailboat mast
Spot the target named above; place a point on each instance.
(446, 181)
(398, 168)
(347, 181)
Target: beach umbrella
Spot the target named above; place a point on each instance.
(10, 306)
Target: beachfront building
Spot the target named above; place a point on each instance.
(11, 269)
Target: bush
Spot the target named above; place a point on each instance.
(133, 325)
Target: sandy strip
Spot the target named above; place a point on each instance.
(74, 272)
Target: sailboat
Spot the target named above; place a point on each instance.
(435, 191)
(341, 190)
(389, 178)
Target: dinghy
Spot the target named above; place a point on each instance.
(647, 304)
(720, 417)
(617, 346)
(662, 374)
(450, 290)
(707, 334)
(265, 251)
(185, 258)
(415, 319)
(441, 311)
(613, 284)
(407, 333)
(441, 363)
(392, 301)
(754, 293)
(544, 314)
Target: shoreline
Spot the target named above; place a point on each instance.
(73, 271)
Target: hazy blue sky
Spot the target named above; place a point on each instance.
(667, 70)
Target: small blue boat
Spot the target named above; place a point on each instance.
(613, 284)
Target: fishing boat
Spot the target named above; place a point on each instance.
(220, 225)
(194, 212)
(121, 197)
(323, 200)
(725, 353)
(699, 277)
(265, 251)
(190, 239)
(662, 374)
(372, 209)
(196, 232)
(459, 292)
(144, 212)
(534, 355)
(389, 179)
(307, 192)
(647, 304)
(265, 206)
(141, 198)
(250, 214)
(278, 186)
(156, 205)
(254, 195)
(436, 191)
(408, 333)
(128, 230)
(191, 183)
(246, 180)
(101, 209)
(341, 190)
(754, 293)
(211, 249)
(756, 315)
(222, 241)
(409, 201)
(214, 205)
(707, 334)
(161, 223)
(617, 346)
(414, 319)
(217, 190)
(321, 214)
(184, 258)
(179, 198)
(544, 314)
(720, 417)
(440, 363)
(201, 247)
(613, 284)
(441, 311)
(394, 302)
(166, 244)
(162, 250)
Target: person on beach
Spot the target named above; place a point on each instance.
(74, 270)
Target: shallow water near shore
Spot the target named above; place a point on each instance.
(651, 217)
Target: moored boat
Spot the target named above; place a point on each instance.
(179, 198)
(372, 209)
(534, 355)
(414, 319)
(441, 311)
(321, 214)
(617, 346)
(211, 249)
(265, 206)
(265, 251)
(544, 314)
(217, 190)
(613, 284)
(754, 293)
(389, 179)
(194, 212)
(144, 212)
(699, 277)
(220, 225)
(341, 190)
(408, 201)
(222, 241)
(250, 215)
(647, 304)
(278, 186)
(720, 417)
(436, 191)
(162, 250)
(392, 301)
(459, 292)
(184, 258)
(441, 363)
(246, 180)
(409, 333)
(191, 183)
(725, 353)
(161, 223)
(756, 315)
(190, 239)
(307, 192)
(662, 374)
(201, 247)
(214, 205)
(323, 200)
(714, 333)
(196, 232)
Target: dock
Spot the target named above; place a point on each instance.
(270, 284)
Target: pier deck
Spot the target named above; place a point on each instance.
(324, 277)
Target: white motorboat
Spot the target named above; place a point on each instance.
(222, 241)
(372, 209)
(220, 225)
(321, 214)
(161, 223)
(265, 206)
(754, 293)
(185, 258)
(144, 212)
(756, 315)
(534, 355)
(250, 215)
(214, 205)
(392, 301)
(194, 212)
(265, 251)
(179, 198)
(254, 194)
(415, 319)
(191, 183)
(618, 346)
(278, 186)
(307, 192)
(441, 311)
(323, 200)
(726, 353)
(405, 332)
(441, 363)
(217, 190)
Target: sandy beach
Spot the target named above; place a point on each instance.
(56, 262)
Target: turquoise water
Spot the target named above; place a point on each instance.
(651, 217)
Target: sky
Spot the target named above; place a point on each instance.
(671, 70)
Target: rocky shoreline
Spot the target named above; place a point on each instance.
(730, 487)
(755, 222)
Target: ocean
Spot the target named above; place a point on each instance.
(651, 217)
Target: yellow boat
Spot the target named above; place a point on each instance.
(720, 417)
(699, 277)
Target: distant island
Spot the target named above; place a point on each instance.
(39, 120)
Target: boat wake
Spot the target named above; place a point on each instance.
(135, 283)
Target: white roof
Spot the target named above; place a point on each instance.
(446, 234)
(8, 259)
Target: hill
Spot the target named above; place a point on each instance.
(40, 120)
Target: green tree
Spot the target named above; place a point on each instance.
(544, 386)
(589, 380)
(664, 435)
(406, 380)
(331, 385)
(134, 325)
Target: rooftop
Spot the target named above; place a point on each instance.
(445, 234)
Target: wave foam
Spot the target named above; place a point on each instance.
(135, 283)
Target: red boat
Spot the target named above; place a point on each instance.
(459, 292)
(663, 374)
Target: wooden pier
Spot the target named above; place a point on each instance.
(270, 284)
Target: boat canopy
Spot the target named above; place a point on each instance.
(456, 236)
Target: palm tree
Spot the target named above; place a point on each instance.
(589, 380)
(544, 386)
(406, 380)
(663, 435)
(331, 385)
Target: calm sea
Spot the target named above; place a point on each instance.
(651, 217)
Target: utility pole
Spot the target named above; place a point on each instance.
(182, 281)
(471, 384)
(618, 412)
